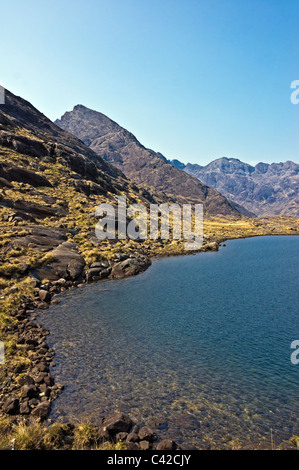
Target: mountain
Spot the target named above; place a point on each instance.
(50, 185)
(264, 189)
(118, 146)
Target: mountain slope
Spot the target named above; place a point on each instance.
(146, 167)
(263, 189)
(50, 185)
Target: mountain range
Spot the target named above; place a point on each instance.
(227, 186)
(116, 145)
(264, 189)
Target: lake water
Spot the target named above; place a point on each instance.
(197, 346)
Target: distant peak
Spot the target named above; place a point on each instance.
(79, 106)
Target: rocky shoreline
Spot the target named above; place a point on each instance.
(28, 391)
(31, 390)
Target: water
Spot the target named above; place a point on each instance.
(197, 346)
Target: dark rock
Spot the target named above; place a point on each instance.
(49, 380)
(121, 436)
(41, 378)
(26, 380)
(136, 428)
(144, 445)
(42, 411)
(21, 175)
(11, 406)
(147, 434)
(23, 144)
(213, 246)
(19, 369)
(132, 437)
(129, 267)
(167, 444)
(30, 391)
(45, 389)
(33, 402)
(132, 446)
(66, 263)
(68, 440)
(117, 422)
(42, 367)
(44, 295)
(24, 408)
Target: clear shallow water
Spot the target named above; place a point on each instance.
(197, 346)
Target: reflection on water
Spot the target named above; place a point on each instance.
(197, 346)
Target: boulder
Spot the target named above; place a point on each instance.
(30, 391)
(144, 445)
(132, 437)
(26, 380)
(147, 434)
(44, 295)
(24, 408)
(42, 410)
(121, 436)
(213, 246)
(130, 267)
(65, 262)
(116, 423)
(11, 406)
(167, 444)
(21, 175)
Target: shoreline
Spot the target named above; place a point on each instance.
(39, 389)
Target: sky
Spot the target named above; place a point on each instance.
(193, 79)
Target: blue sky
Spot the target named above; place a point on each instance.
(193, 79)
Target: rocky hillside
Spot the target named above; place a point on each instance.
(50, 185)
(263, 189)
(144, 166)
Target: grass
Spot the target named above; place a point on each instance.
(35, 435)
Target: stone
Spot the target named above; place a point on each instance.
(147, 434)
(129, 267)
(29, 391)
(117, 422)
(24, 408)
(49, 380)
(42, 367)
(132, 446)
(144, 445)
(132, 437)
(11, 406)
(42, 410)
(44, 295)
(121, 436)
(26, 380)
(166, 444)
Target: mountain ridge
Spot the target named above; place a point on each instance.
(122, 149)
(265, 189)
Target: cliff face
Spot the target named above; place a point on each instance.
(144, 166)
(263, 189)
